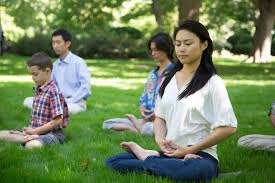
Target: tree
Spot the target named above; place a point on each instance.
(223, 23)
(159, 12)
(261, 51)
(81, 15)
(189, 9)
(162, 10)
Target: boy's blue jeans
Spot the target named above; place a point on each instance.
(177, 169)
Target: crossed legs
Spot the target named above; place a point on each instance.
(19, 137)
(142, 160)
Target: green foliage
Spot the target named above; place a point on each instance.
(228, 18)
(83, 14)
(103, 28)
(27, 46)
(221, 12)
(241, 42)
(124, 42)
(74, 15)
(26, 9)
(141, 9)
(89, 22)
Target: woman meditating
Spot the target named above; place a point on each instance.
(193, 115)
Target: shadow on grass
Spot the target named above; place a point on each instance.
(15, 65)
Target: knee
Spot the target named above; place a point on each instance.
(28, 102)
(75, 108)
(33, 144)
(73, 111)
(110, 162)
(107, 125)
(115, 163)
(240, 141)
(244, 140)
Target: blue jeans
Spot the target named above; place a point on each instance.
(56, 137)
(51, 138)
(177, 169)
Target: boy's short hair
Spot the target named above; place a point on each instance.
(40, 59)
(64, 33)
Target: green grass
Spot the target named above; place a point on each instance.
(116, 87)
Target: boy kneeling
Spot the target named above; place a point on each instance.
(49, 111)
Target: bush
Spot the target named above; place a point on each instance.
(241, 42)
(122, 42)
(28, 46)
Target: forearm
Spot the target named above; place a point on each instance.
(142, 108)
(81, 93)
(218, 135)
(160, 129)
(48, 126)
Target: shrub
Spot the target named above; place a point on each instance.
(241, 42)
(122, 42)
(27, 46)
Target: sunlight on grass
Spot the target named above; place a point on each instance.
(108, 72)
(134, 83)
(249, 82)
(13, 78)
(118, 83)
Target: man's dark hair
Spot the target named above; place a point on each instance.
(40, 59)
(66, 36)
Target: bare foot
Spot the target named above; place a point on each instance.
(135, 121)
(192, 156)
(141, 153)
(31, 137)
(124, 127)
(16, 132)
(10, 136)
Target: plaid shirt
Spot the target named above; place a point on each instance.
(48, 103)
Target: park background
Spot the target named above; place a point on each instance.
(112, 37)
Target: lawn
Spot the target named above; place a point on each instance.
(116, 86)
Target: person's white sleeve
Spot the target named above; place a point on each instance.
(159, 109)
(221, 110)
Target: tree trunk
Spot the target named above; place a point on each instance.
(261, 51)
(157, 10)
(189, 10)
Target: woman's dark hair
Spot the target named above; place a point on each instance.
(163, 42)
(206, 68)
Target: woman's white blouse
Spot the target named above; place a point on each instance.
(191, 120)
